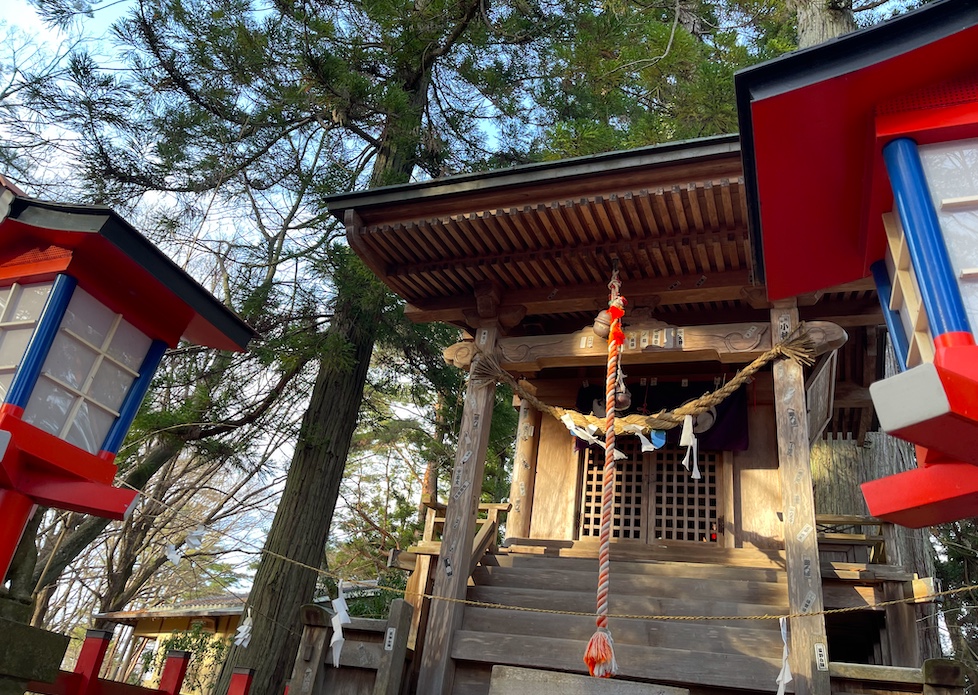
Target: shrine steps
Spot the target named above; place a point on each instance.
(658, 551)
(708, 655)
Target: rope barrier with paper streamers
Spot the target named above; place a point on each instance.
(797, 347)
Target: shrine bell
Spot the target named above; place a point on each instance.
(87, 308)
(861, 157)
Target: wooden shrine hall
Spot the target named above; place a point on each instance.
(520, 261)
(712, 529)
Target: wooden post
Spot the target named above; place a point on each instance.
(901, 618)
(391, 667)
(437, 673)
(418, 587)
(241, 679)
(943, 677)
(90, 660)
(901, 625)
(524, 470)
(174, 671)
(809, 658)
(308, 673)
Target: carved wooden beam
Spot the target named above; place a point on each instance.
(648, 342)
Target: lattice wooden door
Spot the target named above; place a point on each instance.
(655, 498)
(630, 505)
(684, 509)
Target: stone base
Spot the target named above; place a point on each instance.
(26, 653)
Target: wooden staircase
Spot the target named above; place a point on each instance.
(727, 654)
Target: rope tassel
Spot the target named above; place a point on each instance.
(600, 654)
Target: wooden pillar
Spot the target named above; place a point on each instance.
(524, 470)
(901, 625)
(943, 677)
(809, 658)
(437, 673)
(174, 671)
(391, 667)
(90, 660)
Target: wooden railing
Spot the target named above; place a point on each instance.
(936, 677)
(864, 537)
(860, 569)
(419, 559)
(487, 531)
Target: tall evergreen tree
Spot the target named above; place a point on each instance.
(219, 97)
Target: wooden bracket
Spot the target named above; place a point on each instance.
(488, 297)
(490, 311)
(756, 297)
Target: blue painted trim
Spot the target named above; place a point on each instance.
(932, 264)
(884, 289)
(134, 398)
(25, 378)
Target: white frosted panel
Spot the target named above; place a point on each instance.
(30, 301)
(951, 169)
(4, 297)
(88, 317)
(5, 379)
(110, 385)
(13, 345)
(48, 406)
(89, 428)
(129, 345)
(69, 361)
(907, 325)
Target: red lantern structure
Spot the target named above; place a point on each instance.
(87, 308)
(879, 131)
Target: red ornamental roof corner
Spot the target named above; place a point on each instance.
(116, 264)
(813, 124)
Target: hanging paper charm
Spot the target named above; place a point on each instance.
(242, 637)
(784, 677)
(688, 439)
(195, 538)
(341, 617)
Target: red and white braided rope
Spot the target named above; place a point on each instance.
(607, 486)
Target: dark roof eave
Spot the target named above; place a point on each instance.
(528, 174)
(110, 225)
(129, 617)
